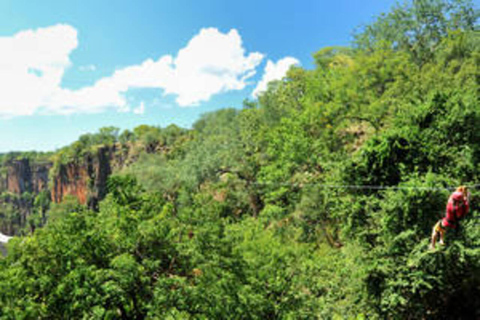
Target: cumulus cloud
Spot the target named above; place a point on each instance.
(33, 62)
(274, 71)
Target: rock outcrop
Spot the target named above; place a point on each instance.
(21, 180)
(71, 179)
(85, 179)
(24, 176)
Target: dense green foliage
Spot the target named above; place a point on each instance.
(252, 213)
(31, 155)
(143, 138)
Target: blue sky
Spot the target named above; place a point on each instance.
(71, 67)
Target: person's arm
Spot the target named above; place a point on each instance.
(466, 206)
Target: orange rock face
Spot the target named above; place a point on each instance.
(23, 176)
(19, 176)
(86, 180)
(71, 180)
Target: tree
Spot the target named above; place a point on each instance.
(419, 27)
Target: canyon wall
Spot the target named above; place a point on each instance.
(24, 176)
(21, 180)
(85, 179)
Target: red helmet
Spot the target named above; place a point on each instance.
(457, 196)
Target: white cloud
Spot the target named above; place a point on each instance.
(140, 109)
(211, 63)
(274, 71)
(33, 62)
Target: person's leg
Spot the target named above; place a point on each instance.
(442, 236)
(434, 236)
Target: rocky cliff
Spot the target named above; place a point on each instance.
(24, 176)
(85, 179)
(22, 180)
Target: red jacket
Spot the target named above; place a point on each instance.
(456, 211)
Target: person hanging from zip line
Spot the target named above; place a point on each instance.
(457, 208)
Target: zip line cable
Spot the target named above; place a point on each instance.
(362, 187)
